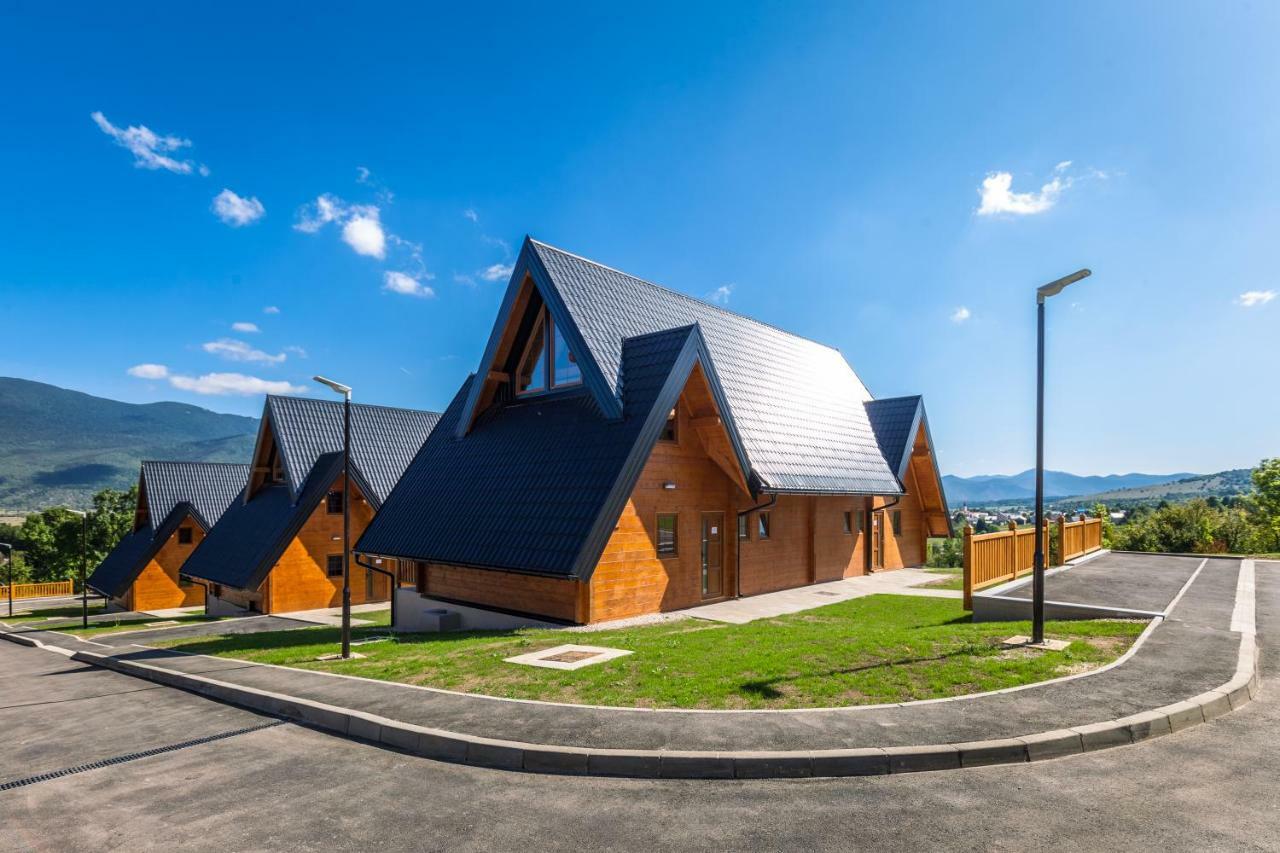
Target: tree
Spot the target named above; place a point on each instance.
(1108, 529)
(51, 538)
(1266, 502)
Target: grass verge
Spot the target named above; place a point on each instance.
(881, 648)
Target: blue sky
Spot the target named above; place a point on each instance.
(892, 179)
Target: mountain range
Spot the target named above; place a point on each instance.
(59, 446)
(1057, 484)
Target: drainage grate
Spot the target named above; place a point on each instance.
(132, 756)
(570, 657)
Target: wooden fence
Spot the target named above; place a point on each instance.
(38, 590)
(995, 558)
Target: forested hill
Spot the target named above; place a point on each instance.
(59, 446)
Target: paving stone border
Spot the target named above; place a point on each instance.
(669, 764)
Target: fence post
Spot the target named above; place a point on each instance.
(968, 566)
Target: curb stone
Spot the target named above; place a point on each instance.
(536, 758)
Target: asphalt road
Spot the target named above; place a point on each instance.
(289, 788)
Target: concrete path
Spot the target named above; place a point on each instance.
(771, 604)
(1194, 651)
(62, 633)
(333, 615)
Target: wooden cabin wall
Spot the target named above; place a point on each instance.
(157, 586)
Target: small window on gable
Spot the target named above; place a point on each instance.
(669, 431)
(763, 525)
(848, 523)
(334, 565)
(668, 537)
(333, 503)
(548, 362)
(184, 535)
(897, 522)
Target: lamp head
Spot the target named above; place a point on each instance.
(1053, 288)
(344, 390)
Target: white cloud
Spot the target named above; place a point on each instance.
(247, 328)
(148, 371)
(296, 350)
(362, 175)
(235, 210)
(399, 282)
(961, 314)
(233, 383)
(364, 234)
(720, 296)
(459, 278)
(1254, 298)
(233, 350)
(497, 272)
(270, 309)
(470, 213)
(998, 196)
(313, 217)
(149, 149)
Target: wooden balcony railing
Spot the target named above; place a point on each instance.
(38, 590)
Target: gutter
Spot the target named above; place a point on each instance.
(737, 545)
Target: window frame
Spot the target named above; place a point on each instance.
(744, 527)
(186, 535)
(328, 568)
(673, 421)
(675, 535)
(764, 525)
(895, 522)
(328, 502)
(846, 520)
(545, 324)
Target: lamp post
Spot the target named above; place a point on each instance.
(9, 549)
(84, 559)
(345, 391)
(1053, 288)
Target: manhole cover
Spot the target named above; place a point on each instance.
(570, 657)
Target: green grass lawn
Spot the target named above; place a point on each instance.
(947, 579)
(881, 648)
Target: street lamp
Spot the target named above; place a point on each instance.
(9, 548)
(1043, 292)
(84, 559)
(345, 391)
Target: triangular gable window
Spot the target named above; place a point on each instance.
(548, 362)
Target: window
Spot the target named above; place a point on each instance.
(669, 431)
(335, 565)
(864, 520)
(668, 539)
(333, 503)
(184, 535)
(548, 362)
(848, 524)
(742, 527)
(897, 522)
(762, 525)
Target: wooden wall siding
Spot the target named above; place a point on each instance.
(540, 596)
(299, 580)
(157, 586)
(630, 579)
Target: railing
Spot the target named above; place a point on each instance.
(38, 590)
(1077, 538)
(992, 558)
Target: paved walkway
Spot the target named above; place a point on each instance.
(1193, 651)
(770, 604)
(333, 615)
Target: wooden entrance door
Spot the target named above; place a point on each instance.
(712, 554)
(875, 553)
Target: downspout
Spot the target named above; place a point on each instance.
(394, 583)
(737, 545)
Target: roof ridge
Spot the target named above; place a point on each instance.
(891, 399)
(353, 403)
(190, 462)
(674, 292)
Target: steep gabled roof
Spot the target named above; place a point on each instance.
(209, 487)
(894, 421)
(537, 486)
(798, 405)
(168, 492)
(243, 546)
(383, 439)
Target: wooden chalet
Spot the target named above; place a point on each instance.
(278, 547)
(625, 449)
(178, 502)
